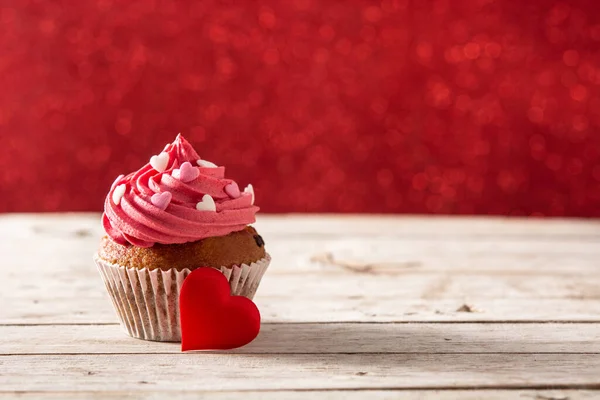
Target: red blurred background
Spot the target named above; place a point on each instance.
(448, 106)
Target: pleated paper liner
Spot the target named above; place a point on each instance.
(147, 301)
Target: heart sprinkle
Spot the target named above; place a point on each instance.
(206, 164)
(233, 190)
(118, 193)
(117, 180)
(161, 200)
(207, 204)
(186, 173)
(160, 161)
(250, 189)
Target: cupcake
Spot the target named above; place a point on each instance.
(176, 214)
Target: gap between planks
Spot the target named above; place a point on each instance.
(263, 323)
(334, 394)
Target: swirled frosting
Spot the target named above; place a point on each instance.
(167, 202)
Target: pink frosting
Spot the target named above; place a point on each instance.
(136, 220)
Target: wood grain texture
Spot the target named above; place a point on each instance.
(340, 338)
(98, 310)
(64, 244)
(226, 371)
(356, 307)
(46, 296)
(533, 277)
(406, 285)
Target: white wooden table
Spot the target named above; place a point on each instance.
(353, 307)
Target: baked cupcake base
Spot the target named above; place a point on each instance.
(241, 247)
(147, 300)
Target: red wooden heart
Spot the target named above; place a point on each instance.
(212, 319)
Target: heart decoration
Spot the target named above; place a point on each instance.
(160, 161)
(186, 173)
(250, 189)
(117, 180)
(207, 204)
(212, 319)
(206, 164)
(161, 200)
(233, 190)
(118, 193)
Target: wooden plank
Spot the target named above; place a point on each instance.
(90, 309)
(332, 285)
(332, 224)
(323, 339)
(296, 257)
(56, 250)
(319, 394)
(64, 241)
(344, 242)
(296, 371)
(345, 295)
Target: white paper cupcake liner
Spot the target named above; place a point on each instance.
(147, 301)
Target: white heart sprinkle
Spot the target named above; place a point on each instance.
(160, 161)
(250, 189)
(117, 180)
(118, 193)
(206, 164)
(207, 204)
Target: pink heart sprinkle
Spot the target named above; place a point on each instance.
(187, 172)
(161, 200)
(233, 190)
